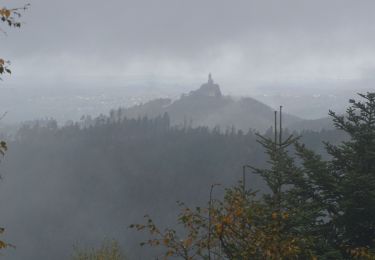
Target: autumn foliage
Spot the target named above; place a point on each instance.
(239, 227)
(314, 209)
(242, 225)
(10, 17)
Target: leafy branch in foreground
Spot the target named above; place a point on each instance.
(11, 17)
(3, 244)
(315, 209)
(242, 226)
(239, 227)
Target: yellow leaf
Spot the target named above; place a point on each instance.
(3, 244)
(188, 242)
(6, 13)
(219, 228)
(166, 241)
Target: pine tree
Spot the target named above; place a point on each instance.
(353, 166)
(280, 224)
(290, 196)
(345, 185)
(314, 208)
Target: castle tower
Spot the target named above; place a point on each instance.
(210, 80)
(209, 89)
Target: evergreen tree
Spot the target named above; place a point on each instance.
(353, 166)
(289, 200)
(281, 224)
(345, 185)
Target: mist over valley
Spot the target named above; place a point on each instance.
(190, 130)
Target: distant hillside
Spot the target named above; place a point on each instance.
(313, 124)
(207, 106)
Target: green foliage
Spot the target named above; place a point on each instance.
(238, 227)
(353, 165)
(290, 193)
(109, 250)
(315, 208)
(344, 186)
(144, 163)
(336, 197)
(242, 226)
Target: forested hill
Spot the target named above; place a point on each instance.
(74, 183)
(206, 106)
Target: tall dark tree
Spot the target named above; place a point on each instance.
(353, 166)
(290, 194)
(280, 224)
(345, 185)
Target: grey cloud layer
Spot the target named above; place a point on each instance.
(258, 34)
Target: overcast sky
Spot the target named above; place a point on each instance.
(243, 43)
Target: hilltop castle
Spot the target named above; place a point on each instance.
(209, 89)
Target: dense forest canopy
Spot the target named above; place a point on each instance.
(104, 173)
(313, 208)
